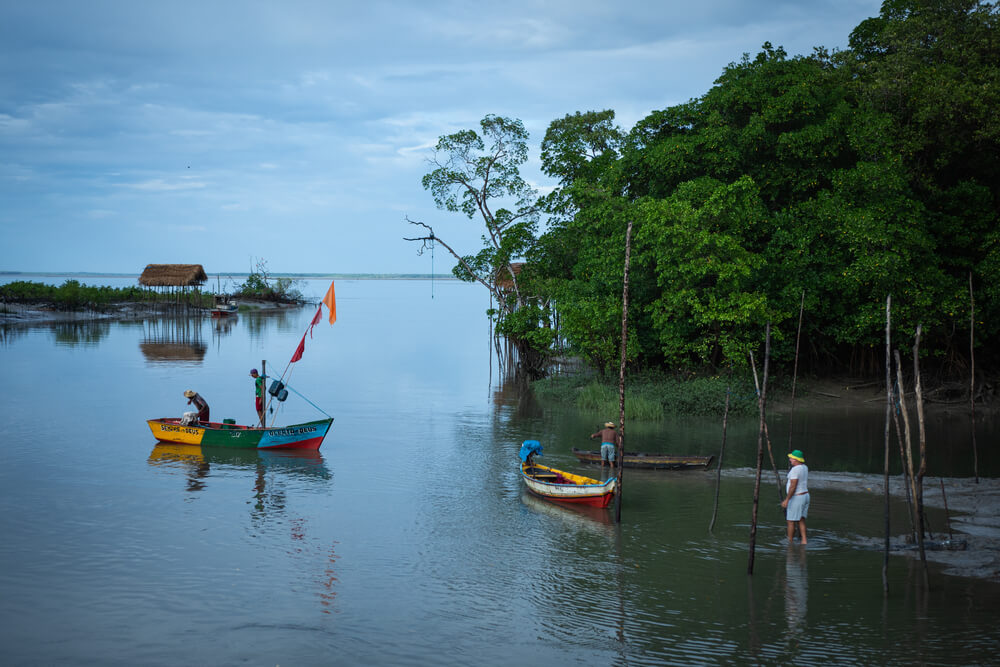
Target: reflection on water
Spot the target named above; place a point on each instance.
(198, 463)
(796, 593)
(80, 333)
(173, 340)
(596, 520)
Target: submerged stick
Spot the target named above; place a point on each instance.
(972, 378)
(947, 519)
(718, 467)
(795, 372)
(888, 416)
(767, 437)
(761, 405)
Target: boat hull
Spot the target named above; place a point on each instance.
(650, 461)
(297, 436)
(566, 487)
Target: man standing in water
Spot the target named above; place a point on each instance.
(258, 393)
(796, 502)
(609, 439)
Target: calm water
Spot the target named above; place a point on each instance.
(409, 540)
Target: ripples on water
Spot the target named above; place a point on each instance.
(409, 540)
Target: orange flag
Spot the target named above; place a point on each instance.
(331, 302)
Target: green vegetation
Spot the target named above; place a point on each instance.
(72, 295)
(261, 285)
(845, 177)
(651, 396)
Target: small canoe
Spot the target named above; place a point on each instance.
(213, 434)
(567, 487)
(643, 460)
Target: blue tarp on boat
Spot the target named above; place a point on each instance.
(529, 447)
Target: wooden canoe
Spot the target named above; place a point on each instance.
(213, 434)
(644, 460)
(567, 487)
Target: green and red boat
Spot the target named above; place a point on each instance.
(213, 434)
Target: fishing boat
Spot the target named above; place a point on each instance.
(226, 309)
(188, 430)
(649, 460)
(560, 485)
(214, 434)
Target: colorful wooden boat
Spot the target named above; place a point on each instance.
(644, 460)
(213, 434)
(567, 487)
(224, 310)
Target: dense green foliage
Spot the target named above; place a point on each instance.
(843, 177)
(71, 295)
(831, 181)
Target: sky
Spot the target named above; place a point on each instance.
(297, 132)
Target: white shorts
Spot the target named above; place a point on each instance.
(798, 507)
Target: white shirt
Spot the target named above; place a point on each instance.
(801, 473)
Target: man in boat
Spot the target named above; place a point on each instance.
(796, 502)
(200, 403)
(258, 393)
(610, 438)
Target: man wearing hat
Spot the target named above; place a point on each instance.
(609, 439)
(796, 502)
(199, 402)
(258, 393)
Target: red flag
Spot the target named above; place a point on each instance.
(299, 350)
(319, 313)
(331, 303)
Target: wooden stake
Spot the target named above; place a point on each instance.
(621, 375)
(922, 470)
(718, 466)
(888, 416)
(795, 374)
(972, 377)
(761, 404)
(767, 439)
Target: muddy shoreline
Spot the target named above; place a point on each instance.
(973, 511)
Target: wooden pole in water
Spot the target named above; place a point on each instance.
(761, 404)
(795, 373)
(888, 417)
(263, 374)
(922, 470)
(767, 438)
(972, 377)
(718, 466)
(621, 375)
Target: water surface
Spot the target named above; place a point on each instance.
(409, 539)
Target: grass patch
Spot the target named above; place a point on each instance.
(651, 396)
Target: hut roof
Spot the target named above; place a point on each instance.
(172, 275)
(503, 279)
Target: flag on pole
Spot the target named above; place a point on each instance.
(315, 320)
(299, 350)
(331, 303)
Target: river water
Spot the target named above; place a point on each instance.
(409, 539)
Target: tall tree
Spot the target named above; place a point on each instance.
(478, 174)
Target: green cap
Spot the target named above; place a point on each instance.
(798, 456)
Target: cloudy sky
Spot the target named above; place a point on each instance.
(219, 132)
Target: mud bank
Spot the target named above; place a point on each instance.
(973, 510)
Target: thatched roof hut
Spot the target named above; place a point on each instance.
(172, 275)
(503, 279)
